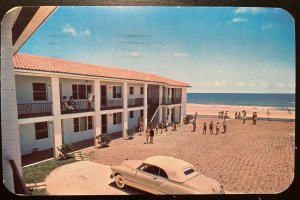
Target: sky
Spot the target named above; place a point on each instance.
(214, 49)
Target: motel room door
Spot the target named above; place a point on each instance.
(104, 123)
(103, 95)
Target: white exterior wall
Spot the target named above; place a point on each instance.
(24, 88)
(109, 90)
(28, 141)
(111, 128)
(66, 85)
(69, 136)
(133, 122)
(136, 91)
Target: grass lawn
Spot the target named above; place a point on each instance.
(37, 173)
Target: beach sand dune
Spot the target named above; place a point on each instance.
(213, 110)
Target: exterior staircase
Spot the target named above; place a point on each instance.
(152, 111)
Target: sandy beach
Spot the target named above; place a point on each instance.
(213, 110)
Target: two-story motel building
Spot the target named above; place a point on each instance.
(121, 99)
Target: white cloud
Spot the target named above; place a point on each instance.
(292, 85)
(280, 85)
(134, 54)
(250, 84)
(238, 20)
(86, 32)
(267, 26)
(69, 30)
(264, 85)
(241, 84)
(180, 54)
(219, 83)
(249, 10)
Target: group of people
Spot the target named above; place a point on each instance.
(244, 113)
(71, 105)
(217, 126)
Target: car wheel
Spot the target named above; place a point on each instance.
(119, 180)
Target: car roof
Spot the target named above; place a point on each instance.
(172, 166)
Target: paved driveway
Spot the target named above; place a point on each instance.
(84, 178)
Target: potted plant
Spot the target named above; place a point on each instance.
(65, 149)
(103, 140)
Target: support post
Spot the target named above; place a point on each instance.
(125, 111)
(145, 106)
(57, 141)
(97, 117)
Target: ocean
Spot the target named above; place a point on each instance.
(281, 101)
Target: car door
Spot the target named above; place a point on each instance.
(161, 180)
(146, 178)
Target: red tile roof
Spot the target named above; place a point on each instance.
(45, 64)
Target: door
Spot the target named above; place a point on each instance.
(145, 178)
(104, 123)
(103, 95)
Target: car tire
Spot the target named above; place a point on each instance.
(120, 181)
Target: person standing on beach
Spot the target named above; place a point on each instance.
(244, 117)
(166, 124)
(161, 126)
(235, 115)
(224, 125)
(211, 128)
(254, 117)
(194, 125)
(217, 128)
(151, 135)
(204, 128)
(196, 115)
(147, 134)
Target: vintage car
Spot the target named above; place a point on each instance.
(164, 175)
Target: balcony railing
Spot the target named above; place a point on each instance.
(34, 110)
(111, 104)
(168, 101)
(135, 102)
(78, 107)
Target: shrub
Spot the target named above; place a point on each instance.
(130, 132)
(104, 140)
(187, 119)
(65, 149)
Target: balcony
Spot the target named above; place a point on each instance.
(78, 107)
(111, 104)
(169, 101)
(34, 110)
(137, 102)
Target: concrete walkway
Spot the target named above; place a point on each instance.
(84, 178)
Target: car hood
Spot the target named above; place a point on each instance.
(132, 164)
(204, 185)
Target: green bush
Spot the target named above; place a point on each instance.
(130, 132)
(104, 140)
(65, 149)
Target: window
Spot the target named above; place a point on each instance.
(141, 112)
(162, 173)
(149, 169)
(90, 122)
(83, 124)
(39, 91)
(189, 171)
(141, 90)
(131, 114)
(130, 90)
(117, 92)
(41, 130)
(80, 91)
(117, 118)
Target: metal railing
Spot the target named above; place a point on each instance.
(168, 101)
(34, 110)
(112, 104)
(77, 107)
(135, 102)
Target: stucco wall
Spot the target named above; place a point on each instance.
(69, 136)
(133, 122)
(28, 141)
(24, 88)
